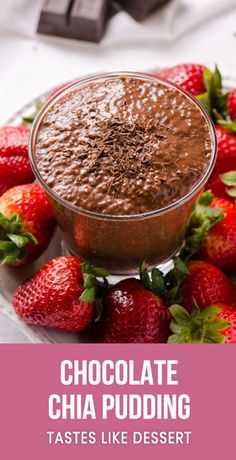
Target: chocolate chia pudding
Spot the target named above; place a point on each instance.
(115, 154)
(123, 146)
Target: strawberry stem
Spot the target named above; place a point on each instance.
(13, 239)
(29, 119)
(199, 327)
(214, 99)
(202, 219)
(228, 124)
(93, 290)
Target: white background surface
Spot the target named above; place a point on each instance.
(185, 30)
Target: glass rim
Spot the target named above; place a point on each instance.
(112, 75)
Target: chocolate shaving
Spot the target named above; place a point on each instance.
(128, 149)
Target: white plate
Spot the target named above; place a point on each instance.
(12, 329)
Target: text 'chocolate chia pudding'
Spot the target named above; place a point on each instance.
(123, 158)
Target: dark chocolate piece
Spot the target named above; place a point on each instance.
(88, 19)
(113, 8)
(54, 17)
(79, 19)
(140, 9)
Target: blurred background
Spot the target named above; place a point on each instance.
(201, 31)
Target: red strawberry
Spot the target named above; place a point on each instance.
(228, 314)
(214, 324)
(26, 224)
(226, 161)
(188, 76)
(207, 285)
(219, 244)
(133, 314)
(51, 297)
(15, 168)
(231, 104)
(226, 154)
(229, 181)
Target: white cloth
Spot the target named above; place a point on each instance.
(166, 24)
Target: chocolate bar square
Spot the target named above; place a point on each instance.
(54, 17)
(140, 9)
(88, 19)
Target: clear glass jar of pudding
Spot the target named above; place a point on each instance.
(122, 158)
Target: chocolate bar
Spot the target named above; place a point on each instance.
(140, 9)
(88, 19)
(54, 17)
(80, 19)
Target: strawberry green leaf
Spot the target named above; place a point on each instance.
(29, 119)
(144, 276)
(207, 79)
(21, 240)
(214, 214)
(219, 111)
(218, 325)
(6, 246)
(93, 290)
(230, 125)
(228, 178)
(13, 239)
(100, 272)
(204, 100)
(179, 313)
(208, 312)
(85, 267)
(217, 79)
(175, 338)
(180, 266)
(202, 219)
(18, 240)
(173, 280)
(89, 269)
(158, 283)
(12, 257)
(215, 338)
(217, 115)
(175, 327)
(88, 295)
(206, 198)
(214, 99)
(199, 327)
(89, 280)
(13, 224)
(195, 309)
(231, 192)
